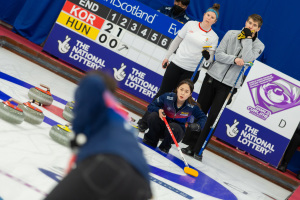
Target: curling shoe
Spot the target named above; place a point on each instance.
(283, 167)
(149, 143)
(188, 151)
(164, 150)
(142, 127)
(197, 157)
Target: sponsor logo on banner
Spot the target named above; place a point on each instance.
(133, 10)
(87, 55)
(249, 137)
(272, 94)
(80, 53)
(120, 74)
(135, 80)
(64, 47)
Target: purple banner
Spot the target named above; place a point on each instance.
(272, 94)
(88, 55)
(251, 137)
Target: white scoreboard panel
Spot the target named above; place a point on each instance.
(134, 41)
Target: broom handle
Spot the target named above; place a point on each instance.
(175, 141)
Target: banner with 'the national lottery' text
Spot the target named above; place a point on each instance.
(264, 116)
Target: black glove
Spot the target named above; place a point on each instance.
(195, 127)
(247, 32)
(205, 54)
(241, 35)
(165, 65)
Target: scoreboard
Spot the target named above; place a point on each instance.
(122, 37)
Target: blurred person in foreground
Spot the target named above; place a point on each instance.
(108, 162)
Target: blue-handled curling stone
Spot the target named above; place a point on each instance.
(37, 94)
(11, 113)
(33, 115)
(61, 134)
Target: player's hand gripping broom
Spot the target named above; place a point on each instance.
(222, 109)
(187, 169)
(205, 48)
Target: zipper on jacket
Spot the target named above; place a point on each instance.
(226, 73)
(177, 111)
(231, 64)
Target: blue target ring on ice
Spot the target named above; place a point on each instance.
(203, 183)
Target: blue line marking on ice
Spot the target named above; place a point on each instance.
(27, 85)
(155, 180)
(50, 174)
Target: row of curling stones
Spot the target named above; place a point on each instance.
(68, 111)
(64, 136)
(22, 112)
(43, 97)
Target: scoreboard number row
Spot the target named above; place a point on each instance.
(113, 43)
(136, 28)
(123, 22)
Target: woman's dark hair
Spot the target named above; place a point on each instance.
(109, 81)
(191, 86)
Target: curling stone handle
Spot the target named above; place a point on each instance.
(14, 100)
(35, 102)
(68, 124)
(45, 86)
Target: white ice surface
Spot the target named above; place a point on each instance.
(24, 148)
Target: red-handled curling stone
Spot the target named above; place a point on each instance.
(33, 115)
(42, 96)
(11, 113)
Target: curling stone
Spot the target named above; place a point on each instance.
(39, 95)
(70, 104)
(61, 134)
(11, 113)
(68, 113)
(33, 115)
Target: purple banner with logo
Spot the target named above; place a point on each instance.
(251, 137)
(87, 55)
(272, 94)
